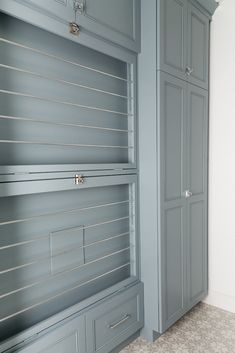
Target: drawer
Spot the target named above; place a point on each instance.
(114, 321)
(69, 337)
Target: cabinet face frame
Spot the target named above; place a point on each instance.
(130, 60)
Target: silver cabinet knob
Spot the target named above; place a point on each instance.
(189, 71)
(188, 194)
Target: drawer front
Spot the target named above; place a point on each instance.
(114, 321)
(69, 337)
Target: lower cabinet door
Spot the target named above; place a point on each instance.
(114, 321)
(197, 204)
(69, 337)
(173, 122)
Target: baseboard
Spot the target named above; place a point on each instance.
(221, 301)
(126, 343)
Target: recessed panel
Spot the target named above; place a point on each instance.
(197, 139)
(173, 120)
(173, 259)
(197, 248)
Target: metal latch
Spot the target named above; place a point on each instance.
(74, 28)
(79, 179)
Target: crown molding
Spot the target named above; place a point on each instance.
(209, 5)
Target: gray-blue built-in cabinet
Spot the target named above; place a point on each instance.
(69, 191)
(173, 138)
(69, 242)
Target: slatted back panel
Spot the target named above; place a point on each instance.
(60, 102)
(59, 248)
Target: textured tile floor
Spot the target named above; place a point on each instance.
(205, 329)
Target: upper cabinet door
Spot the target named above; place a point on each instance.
(117, 21)
(172, 19)
(60, 9)
(198, 47)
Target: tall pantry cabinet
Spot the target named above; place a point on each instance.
(173, 135)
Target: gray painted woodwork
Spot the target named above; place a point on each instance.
(174, 227)
(64, 246)
(71, 242)
(172, 29)
(111, 323)
(115, 21)
(183, 34)
(198, 47)
(173, 158)
(197, 184)
(99, 328)
(69, 337)
(77, 112)
(207, 5)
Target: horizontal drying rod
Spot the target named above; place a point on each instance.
(73, 210)
(31, 263)
(63, 293)
(64, 272)
(79, 145)
(64, 82)
(15, 118)
(58, 58)
(59, 101)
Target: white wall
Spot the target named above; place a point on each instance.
(222, 159)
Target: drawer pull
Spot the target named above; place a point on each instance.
(122, 321)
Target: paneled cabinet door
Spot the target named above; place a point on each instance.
(118, 21)
(69, 337)
(198, 47)
(60, 9)
(173, 181)
(172, 19)
(197, 203)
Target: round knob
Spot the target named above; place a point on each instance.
(189, 71)
(188, 194)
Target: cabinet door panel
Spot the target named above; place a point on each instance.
(197, 243)
(118, 21)
(69, 337)
(173, 266)
(198, 47)
(62, 9)
(197, 139)
(173, 183)
(173, 20)
(173, 129)
(197, 184)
